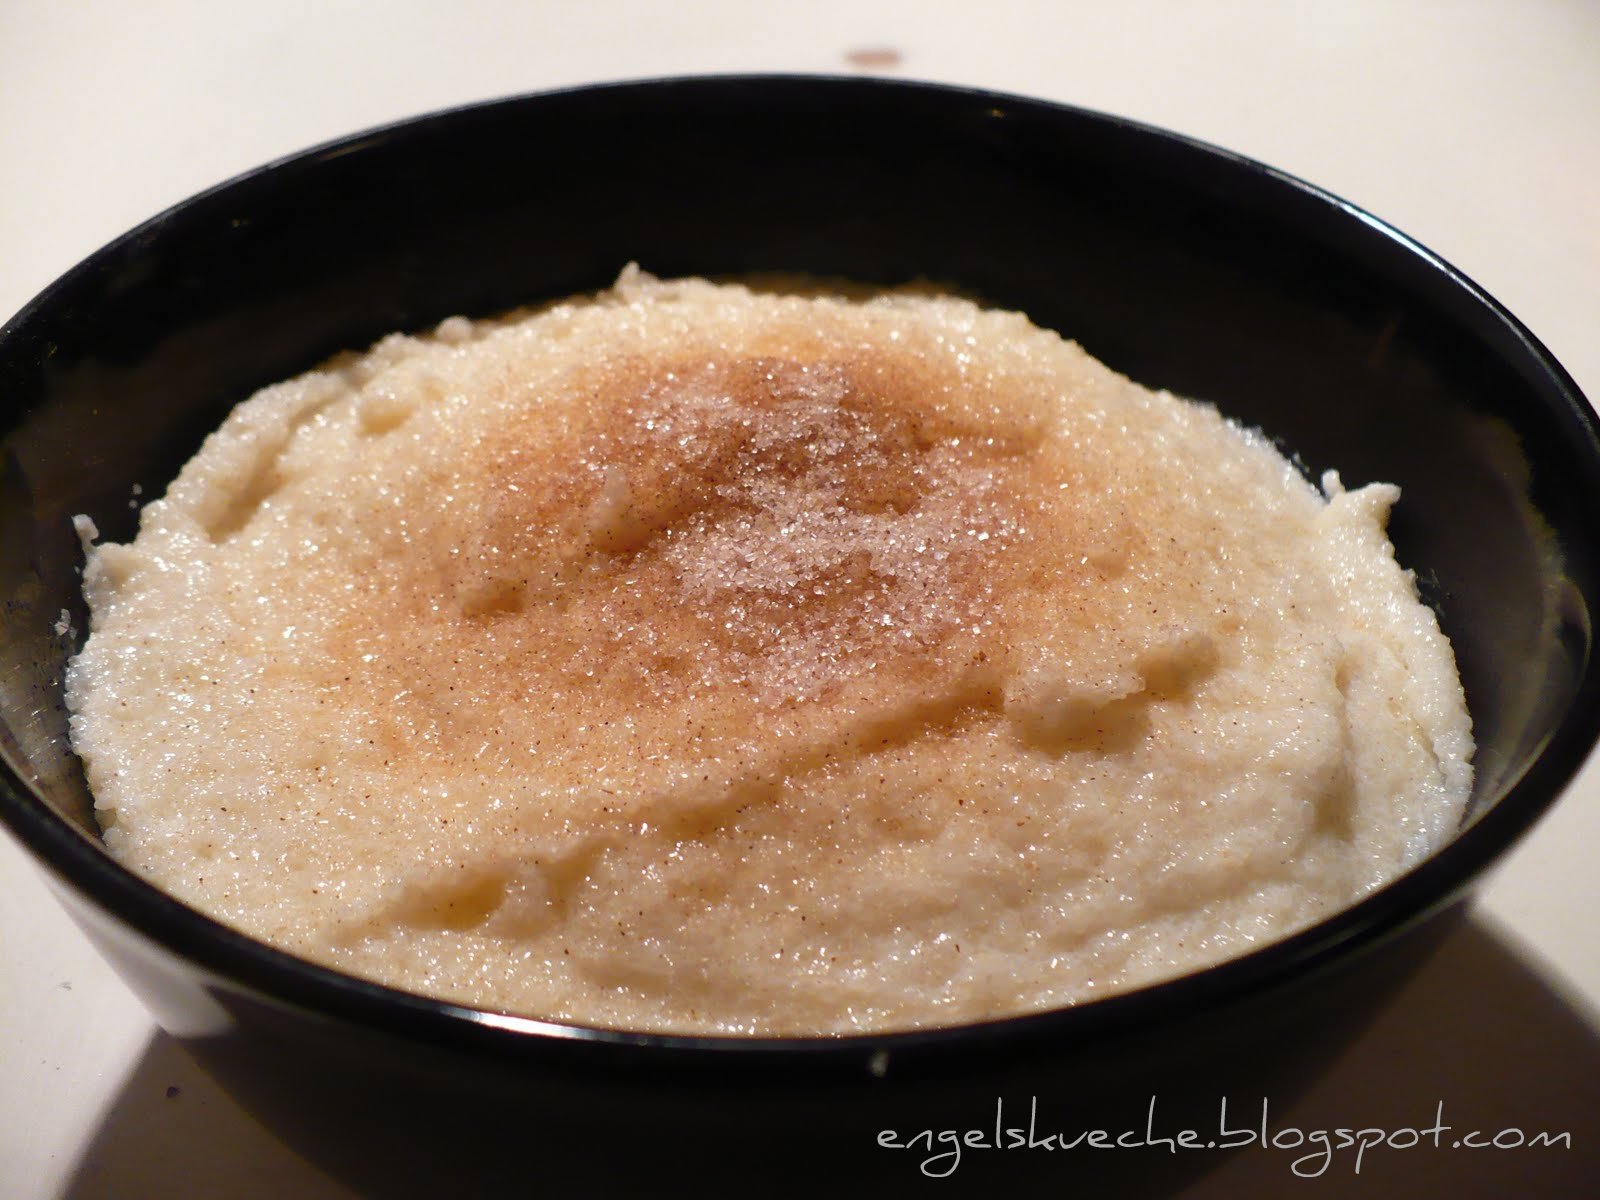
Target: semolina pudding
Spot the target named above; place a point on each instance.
(689, 657)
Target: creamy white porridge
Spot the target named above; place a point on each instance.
(694, 658)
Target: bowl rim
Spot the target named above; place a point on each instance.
(237, 961)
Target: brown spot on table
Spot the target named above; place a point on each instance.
(874, 58)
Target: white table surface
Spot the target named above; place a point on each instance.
(1472, 125)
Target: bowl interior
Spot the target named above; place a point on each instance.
(1178, 265)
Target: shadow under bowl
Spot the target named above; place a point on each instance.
(1180, 265)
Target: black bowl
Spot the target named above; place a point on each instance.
(1179, 264)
